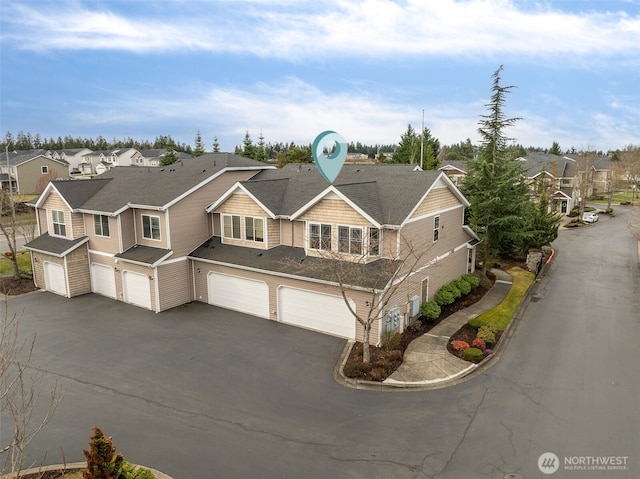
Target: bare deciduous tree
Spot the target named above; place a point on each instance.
(380, 279)
(20, 388)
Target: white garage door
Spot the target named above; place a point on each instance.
(54, 278)
(136, 289)
(320, 312)
(246, 295)
(103, 280)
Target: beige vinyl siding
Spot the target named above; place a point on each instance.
(54, 202)
(389, 247)
(299, 234)
(242, 205)
(79, 278)
(438, 199)
(110, 244)
(286, 232)
(77, 223)
(190, 224)
(273, 282)
(141, 240)
(128, 232)
(334, 212)
(174, 283)
(42, 220)
(273, 233)
(38, 260)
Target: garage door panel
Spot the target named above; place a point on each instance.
(240, 294)
(136, 289)
(321, 312)
(54, 278)
(103, 280)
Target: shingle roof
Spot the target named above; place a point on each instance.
(293, 261)
(144, 254)
(559, 166)
(147, 186)
(387, 193)
(18, 157)
(54, 245)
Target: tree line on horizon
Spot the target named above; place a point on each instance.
(413, 148)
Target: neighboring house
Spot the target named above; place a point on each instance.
(154, 157)
(557, 176)
(236, 233)
(127, 233)
(97, 162)
(455, 170)
(278, 235)
(73, 156)
(25, 168)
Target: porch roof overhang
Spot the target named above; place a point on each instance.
(54, 245)
(144, 255)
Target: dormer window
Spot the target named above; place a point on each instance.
(319, 236)
(59, 227)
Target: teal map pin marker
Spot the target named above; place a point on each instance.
(329, 165)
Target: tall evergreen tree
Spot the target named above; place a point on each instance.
(408, 150)
(216, 145)
(494, 184)
(198, 150)
(555, 149)
(248, 150)
(260, 151)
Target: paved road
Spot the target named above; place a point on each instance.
(201, 392)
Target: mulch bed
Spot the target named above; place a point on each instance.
(11, 286)
(385, 361)
(468, 333)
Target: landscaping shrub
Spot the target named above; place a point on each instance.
(391, 340)
(443, 297)
(473, 354)
(104, 463)
(453, 289)
(608, 211)
(430, 310)
(487, 333)
(357, 369)
(479, 343)
(472, 279)
(475, 322)
(460, 345)
(463, 286)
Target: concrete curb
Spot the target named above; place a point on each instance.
(459, 377)
(73, 467)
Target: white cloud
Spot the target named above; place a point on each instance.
(307, 30)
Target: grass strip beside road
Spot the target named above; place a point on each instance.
(502, 314)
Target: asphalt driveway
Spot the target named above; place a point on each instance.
(200, 392)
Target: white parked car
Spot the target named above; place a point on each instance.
(589, 217)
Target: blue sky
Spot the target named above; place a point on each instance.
(290, 69)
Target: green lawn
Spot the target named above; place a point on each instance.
(618, 198)
(24, 263)
(502, 314)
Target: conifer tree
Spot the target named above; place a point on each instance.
(199, 146)
(494, 184)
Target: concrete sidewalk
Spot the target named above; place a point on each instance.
(427, 361)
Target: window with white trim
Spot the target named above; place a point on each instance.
(231, 226)
(349, 240)
(436, 228)
(101, 225)
(44, 169)
(319, 236)
(151, 227)
(59, 227)
(254, 229)
(374, 241)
